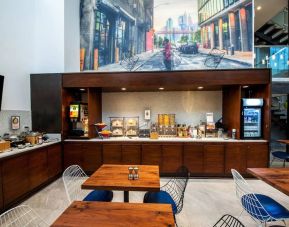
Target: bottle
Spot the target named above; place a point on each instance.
(234, 133)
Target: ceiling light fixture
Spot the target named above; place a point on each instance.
(161, 88)
(200, 88)
(259, 7)
(245, 86)
(123, 89)
(82, 89)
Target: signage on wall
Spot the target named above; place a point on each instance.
(165, 35)
(15, 122)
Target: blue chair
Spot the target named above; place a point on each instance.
(280, 155)
(172, 192)
(73, 177)
(261, 208)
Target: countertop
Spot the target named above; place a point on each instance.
(173, 139)
(16, 151)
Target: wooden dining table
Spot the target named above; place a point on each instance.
(115, 177)
(110, 214)
(276, 177)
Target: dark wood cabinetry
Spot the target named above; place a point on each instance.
(236, 158)
(38, 171)
(15, 172)
(111, 153)
(257, 155)
(194, 158)
(72, 154)
(24, 173)
(91, 157)
(151, 154)
(131, 154)
(214, 162)
(54, 160)
(172, 158)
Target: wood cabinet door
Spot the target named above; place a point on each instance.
(214, 159)
(72, 154)
(194, 158)
(257, 155)
(1, 189)
(171, 158)
(15, 178)
(111, 153)
(235, 158)
(151, 154)
(54, 160)
(37, 161)
(91, 157)
(131, 154)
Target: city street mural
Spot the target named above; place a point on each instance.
(165, 35)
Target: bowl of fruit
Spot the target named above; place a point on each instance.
(105, 133)
(100, 126)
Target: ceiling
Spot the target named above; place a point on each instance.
(270, 8)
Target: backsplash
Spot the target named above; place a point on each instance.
(5, 120)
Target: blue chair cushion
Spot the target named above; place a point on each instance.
(273, 208)
(280, 155)
(99, 195)
(160, 197)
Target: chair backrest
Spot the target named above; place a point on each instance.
(21, 215)
(228, 221)
(176, 187)
(249, 200)
(73, 177)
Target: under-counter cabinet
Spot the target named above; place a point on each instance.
(111, 154)
(172, 158)
(54, 160)
(131, 154)
(194, 158)
(1, 188)
(214, 159)
(236, 158)
(91, 159)
(151, 154)
(257, 155)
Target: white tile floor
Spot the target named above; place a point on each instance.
(206, 200)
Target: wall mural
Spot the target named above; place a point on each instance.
(165, 35)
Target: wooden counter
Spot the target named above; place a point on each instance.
(202, 158)
(25, 171)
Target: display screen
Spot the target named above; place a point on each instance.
(74, 111)
(252, 122)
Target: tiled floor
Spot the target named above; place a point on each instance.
(206, 200)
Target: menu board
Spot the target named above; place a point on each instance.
(74, 111)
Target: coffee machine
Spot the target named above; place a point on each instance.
(78, 114)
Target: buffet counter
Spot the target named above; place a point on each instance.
(16, 151)
(170, 139)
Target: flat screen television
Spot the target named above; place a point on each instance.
(1, 89)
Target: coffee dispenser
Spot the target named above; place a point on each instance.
(78, 114)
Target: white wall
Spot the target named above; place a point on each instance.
(189, 106)
(31, 41)
(71, 35)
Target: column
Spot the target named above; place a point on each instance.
(221, 45)
(87, 31)
(243, 29)
(232, 29)
(212, 37)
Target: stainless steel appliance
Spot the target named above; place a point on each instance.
(251, 119)
(78, 114)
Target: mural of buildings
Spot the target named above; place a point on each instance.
(226, 23)
(111, 30)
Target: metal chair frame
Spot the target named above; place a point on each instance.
(228, 220)
(273, 159)
(21, 215)
(73, 177)
(251, 202)
(176, 188)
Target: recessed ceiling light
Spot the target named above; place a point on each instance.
(246, 86)
(259, 7)
(161, 88)
(82, 89)
(200, 88)
(123, 89)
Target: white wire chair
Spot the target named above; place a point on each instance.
(73, 177)
(21, 216)
(252, 205)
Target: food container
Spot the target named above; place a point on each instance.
(154, 135)
(105, 133)
(32, 138)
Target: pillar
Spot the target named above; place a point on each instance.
(212, 33)
(221, 45)
(232, 29)
(243, 30)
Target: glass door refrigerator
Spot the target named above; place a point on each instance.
(251, 118)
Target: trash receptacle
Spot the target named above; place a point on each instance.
(232, 50)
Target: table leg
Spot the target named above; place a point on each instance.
(126, 196)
